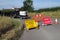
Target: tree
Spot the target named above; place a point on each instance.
(28, 5)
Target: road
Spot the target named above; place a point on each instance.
(51, 32)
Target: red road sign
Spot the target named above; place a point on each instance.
(47, 20)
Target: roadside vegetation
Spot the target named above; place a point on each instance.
(52, 14)
(9, 28)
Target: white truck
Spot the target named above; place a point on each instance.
(23, 14)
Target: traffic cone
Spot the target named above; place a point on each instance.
(56, 21)
(37, 16)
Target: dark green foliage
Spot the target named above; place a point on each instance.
(48, 9)
(6, 12)
(28, 5)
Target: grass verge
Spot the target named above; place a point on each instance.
(10, 29)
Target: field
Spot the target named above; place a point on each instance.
(52, 14)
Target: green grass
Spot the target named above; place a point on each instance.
(8, 23)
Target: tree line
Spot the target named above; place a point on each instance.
(48, 9)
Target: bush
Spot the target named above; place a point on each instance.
(9, 27)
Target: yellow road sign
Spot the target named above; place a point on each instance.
(30, 24)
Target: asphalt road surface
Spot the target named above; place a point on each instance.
(51, 32)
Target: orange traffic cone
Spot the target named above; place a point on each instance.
(56, 21)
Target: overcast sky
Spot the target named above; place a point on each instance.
(38, 4)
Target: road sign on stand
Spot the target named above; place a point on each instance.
(47, 20)
(30, 23)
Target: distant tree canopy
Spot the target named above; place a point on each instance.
(5, 12)
(27, 5)
(48, 9)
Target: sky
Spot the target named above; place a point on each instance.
(37, 4)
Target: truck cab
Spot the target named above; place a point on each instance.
(23, 14)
